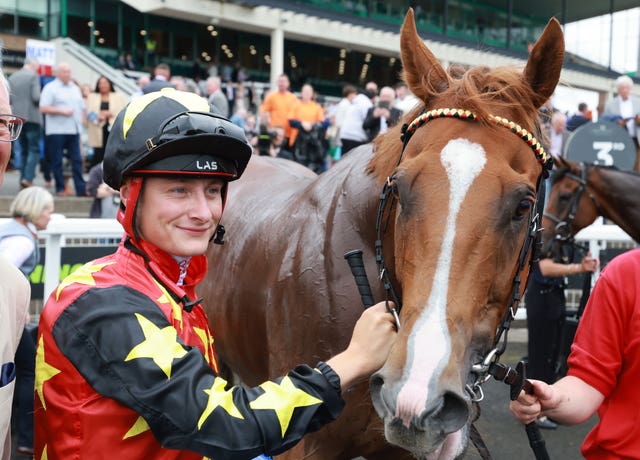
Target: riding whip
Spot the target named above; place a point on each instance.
(354, 259)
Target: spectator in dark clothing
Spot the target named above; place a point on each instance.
(105, 199)
(382, 115)
(161, 77)
(583, 116)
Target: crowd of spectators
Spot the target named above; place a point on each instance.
(69, 121)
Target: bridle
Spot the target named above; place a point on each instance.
(482, 370)
(562, 231)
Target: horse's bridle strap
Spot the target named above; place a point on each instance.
(542, 156)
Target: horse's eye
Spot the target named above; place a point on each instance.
(523, 209)
(564, 197)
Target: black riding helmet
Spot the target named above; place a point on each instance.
(173, 132)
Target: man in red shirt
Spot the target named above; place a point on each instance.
(604, 368)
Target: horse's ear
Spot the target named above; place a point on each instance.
(559, 162)
(543, 68)
(422, 71)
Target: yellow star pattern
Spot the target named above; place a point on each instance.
(283, 399)
(44, 453)
(140, 426)
(207, 340)
(83, 275)
(161, 345)
(44, 371)
(218, 397)
(166, 298)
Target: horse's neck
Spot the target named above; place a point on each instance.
(349, 192)
(617, 195)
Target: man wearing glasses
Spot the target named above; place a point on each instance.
(14, 287)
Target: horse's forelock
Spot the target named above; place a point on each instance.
(499, 91)
(484, 91)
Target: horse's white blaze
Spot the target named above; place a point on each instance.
(429, 344)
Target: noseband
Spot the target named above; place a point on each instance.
(387, 200)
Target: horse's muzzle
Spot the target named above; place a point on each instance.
(427, 431)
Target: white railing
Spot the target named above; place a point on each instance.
(59, 231)
(598, 235)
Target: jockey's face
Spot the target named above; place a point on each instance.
(180, 215)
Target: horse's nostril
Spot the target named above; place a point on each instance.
(376, 382)
(452, 416)
(377, 398)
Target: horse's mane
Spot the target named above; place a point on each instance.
(561, 171)
(482, 90)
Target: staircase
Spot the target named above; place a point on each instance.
(87, 67)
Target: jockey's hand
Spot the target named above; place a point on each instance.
(373, 336)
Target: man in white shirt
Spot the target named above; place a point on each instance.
(352, 133)
(627, 108)
(405, 101)
(62, 105)
(558, 134)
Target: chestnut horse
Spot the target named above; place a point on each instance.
(460, 206)
(581, 192)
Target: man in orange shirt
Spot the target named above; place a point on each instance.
(306, 120)
(275, 108)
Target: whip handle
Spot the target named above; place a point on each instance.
(354, 259)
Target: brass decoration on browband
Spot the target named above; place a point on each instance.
(542, 156)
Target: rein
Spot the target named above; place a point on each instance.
(489, 366)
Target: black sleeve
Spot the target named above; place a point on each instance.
(370, 121)
(126, 349)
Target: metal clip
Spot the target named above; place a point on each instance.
(483, 367)
(475, 392)
(394, 312)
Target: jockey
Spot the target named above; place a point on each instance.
(126, 363)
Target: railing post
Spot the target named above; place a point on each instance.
(52, 263)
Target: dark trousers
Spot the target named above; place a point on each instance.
(25, 382)
(545, 315)
(30, 142)
(56, 144)
(348, 144)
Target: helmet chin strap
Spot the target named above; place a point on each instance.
(218, 235)
(127, 210)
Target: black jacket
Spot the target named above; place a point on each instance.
(371, 124)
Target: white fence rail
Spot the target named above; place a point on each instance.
(60, 231)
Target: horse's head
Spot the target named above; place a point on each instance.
(570, 206)
(464, 193)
